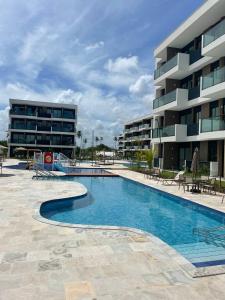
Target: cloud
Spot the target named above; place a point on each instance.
(4, 117)
(95, 46)
(143, 85)
(122, 64)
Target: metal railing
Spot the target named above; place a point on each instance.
(40, 172)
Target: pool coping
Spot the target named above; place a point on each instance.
(182, 262)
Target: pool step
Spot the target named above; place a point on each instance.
(201, 253)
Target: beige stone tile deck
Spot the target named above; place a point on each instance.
(42, 261)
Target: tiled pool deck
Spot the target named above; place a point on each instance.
(43, 261)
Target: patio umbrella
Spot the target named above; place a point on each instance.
(3, 147)
(20, 149)
(195, 162)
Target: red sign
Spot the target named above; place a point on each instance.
(48, 158)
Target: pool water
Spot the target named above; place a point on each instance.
(121, 202)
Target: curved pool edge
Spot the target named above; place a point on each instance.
(181, 261)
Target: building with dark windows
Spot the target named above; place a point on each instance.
(137, 135)
(42, 125)
(189, 108)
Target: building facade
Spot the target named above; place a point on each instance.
(120, 140)
(137, 135)
(189, 108)
(42, 125)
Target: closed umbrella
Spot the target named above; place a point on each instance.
(195, 162)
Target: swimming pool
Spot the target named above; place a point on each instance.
(81, 171)
(122, 202)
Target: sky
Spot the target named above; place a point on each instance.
(97, 54)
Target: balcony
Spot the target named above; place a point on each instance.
(175, 68)
(172, 133)
(23, 127)
(213, 84)
(213, 41)
(176, 99)
(212, 128)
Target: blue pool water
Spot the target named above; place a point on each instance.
(121, 202)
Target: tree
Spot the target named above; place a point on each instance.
(149, 157)
(79, 136)
(115, 140)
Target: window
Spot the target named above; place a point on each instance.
(68, 113)
(57, 113)
(214, 109)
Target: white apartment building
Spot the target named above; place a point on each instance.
(42, 125)
(189, 108)
(137, 135)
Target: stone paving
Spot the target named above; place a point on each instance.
(43, 261)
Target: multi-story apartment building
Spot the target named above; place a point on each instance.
(189, 109)
(42, 125)
(137, 134)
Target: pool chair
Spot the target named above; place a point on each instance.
(155, 174)
(178, 179)
(210, 186)
(189, 182)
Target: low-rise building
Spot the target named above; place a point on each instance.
(42, 125)
(137, 135)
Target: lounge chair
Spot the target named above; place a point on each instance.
(210, 187)
(179, 178)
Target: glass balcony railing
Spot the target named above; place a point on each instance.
(214, 33)
(195, 55)
(164, 132)
(166, 67)
(163, 100)
(212, 124)
(213, 78)
(194, 93)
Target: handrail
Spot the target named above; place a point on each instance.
(41, 172)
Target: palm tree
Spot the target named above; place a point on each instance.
(115, 140)
(85, 142)
(79, 136)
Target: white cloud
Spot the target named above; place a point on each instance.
(143, 85)
(122, 64)
(95, 46)
(4, 116)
